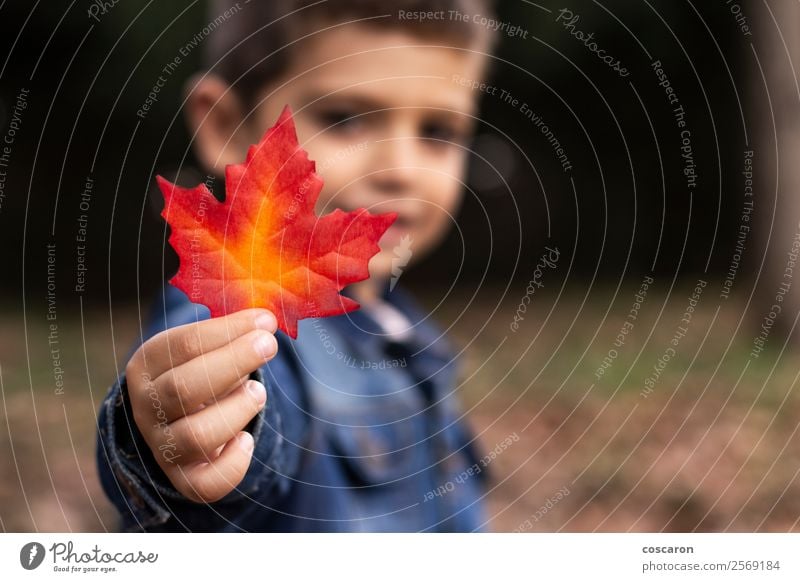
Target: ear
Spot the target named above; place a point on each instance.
(215, 116)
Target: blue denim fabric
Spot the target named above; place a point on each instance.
(358, 434)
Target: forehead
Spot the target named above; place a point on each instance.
(386, 67)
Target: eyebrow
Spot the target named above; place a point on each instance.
(361, 101)
(365, 102)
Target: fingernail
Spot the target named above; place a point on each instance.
(257, 391)
(266, 321)
(246, 441)
(266, 346)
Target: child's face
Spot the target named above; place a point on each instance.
(386, 125)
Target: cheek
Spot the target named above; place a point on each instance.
(447, 195)
(439, 224)
(444, 204)
(328, 199)
(449, 188)
(338, 179)
(338, 170)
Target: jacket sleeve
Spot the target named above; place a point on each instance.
(146, 499)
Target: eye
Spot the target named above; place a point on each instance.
(442, 132)
(339, 120)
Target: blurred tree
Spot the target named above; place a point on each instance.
(777, 105)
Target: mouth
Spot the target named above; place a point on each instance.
(402, 222)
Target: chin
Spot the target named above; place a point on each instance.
(380, 266)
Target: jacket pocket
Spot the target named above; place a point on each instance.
(379, 453)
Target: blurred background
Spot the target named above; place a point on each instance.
(647, 423)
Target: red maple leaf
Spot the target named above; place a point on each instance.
(264, 246)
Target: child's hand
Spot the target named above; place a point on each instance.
(191, 398)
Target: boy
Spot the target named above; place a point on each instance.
(227, 425)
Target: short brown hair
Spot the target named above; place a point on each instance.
(253, 46)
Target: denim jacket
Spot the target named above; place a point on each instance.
(360, 432)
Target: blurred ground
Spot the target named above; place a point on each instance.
(714, 446)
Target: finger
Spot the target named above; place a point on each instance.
(181, 344)
(199, 435)
(209, 482)
(143, 415)
(183, 389)
(238, 383)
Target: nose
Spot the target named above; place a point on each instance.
(397, 163)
